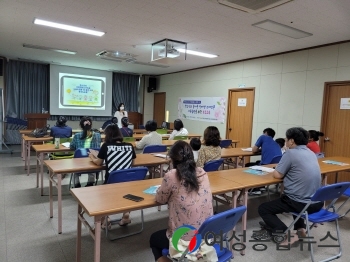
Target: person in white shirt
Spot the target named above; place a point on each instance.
(196, 144)
(120, 113)
(179, 129)
(152, 138)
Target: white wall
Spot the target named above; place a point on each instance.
(289, 87)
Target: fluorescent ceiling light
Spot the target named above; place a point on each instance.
(196, 53)
(282, 29)
(50, 49)
(68, 27)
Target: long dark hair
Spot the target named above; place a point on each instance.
(315, 135)
(211, 136)
(85, 124)
(113, 134)
(182, 157)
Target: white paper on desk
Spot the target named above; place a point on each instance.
(160, 155)
(262, 168)
(249, 149)
(93, 152)
(66, 144)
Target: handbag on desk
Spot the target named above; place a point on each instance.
(39, 132)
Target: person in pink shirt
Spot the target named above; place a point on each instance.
(187, 191)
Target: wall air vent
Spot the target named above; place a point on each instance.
(253, 6)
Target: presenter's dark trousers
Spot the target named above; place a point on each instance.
(158, 242)
(269, 210)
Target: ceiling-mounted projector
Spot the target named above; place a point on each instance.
(172, 52)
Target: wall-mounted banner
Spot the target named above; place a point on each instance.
(210, 109)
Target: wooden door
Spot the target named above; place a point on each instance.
(159, 108)
(336, 124)
(240, 115)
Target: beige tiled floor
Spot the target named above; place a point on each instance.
(28, 234)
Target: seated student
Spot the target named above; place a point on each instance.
(118, 155)
(152, 138)
(187, 191)
(196, 144)
(85, 139)
(61, 130)
(210, 150)
(282, 143)
(179, 129)
(313, 138)
(298, 187)
(114, 120)
(126, 132)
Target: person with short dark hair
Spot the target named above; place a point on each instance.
(117, 155)
(186, 190)
(114, 120)
(313, 138)
(179, 129)
(196, 144)
(281, 142)
(85, 139)
(301, 176)
(61, 130)
(210, 150)
(125, 130)
(120, 113)
(152, 138)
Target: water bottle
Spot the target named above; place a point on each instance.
(43, 110)
(57, 143)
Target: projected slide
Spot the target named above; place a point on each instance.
(81, 91)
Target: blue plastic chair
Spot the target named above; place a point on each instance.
(320, 155)
(80, 153)
(220, 223)
(328, 214)
(213, 165)
(127, 175)
(224, 143)
(347, 194)
(154, 149)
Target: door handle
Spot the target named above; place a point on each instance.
(326, 139)
(230, 129)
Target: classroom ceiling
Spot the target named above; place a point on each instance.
(131, 26)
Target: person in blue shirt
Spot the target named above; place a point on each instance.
(126, 132)
(61, 130)
(114, 120)
(269, 149)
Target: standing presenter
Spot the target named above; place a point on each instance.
(120, 113)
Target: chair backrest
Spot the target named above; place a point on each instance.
(213, 165)
(224, 143)
(83, 152)
(224, 221)
(154, 149)
(128, 139)
(162, 131)
(330, 192)
(275, 159)
(180, 137)
(127, 175)
(319, 155)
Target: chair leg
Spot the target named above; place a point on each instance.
(70, 180)
(342, 206)
(130, 234)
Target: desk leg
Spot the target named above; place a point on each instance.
(78, 245)
(50, 194)
(161, 170)
(244, 217)
(59, 196)
(29, 144)
(97, 252)
(336, 177)
(236, 159)
(23, 148)
(42, 173)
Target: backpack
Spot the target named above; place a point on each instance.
(39, 132)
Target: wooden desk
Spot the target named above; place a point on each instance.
(236, 153)
(326, 169)
(140, 136)
(107, 200)
(78, 165)
(27, 143)
(41, 150)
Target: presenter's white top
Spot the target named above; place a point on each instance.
(120, 115)
(182, 132)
